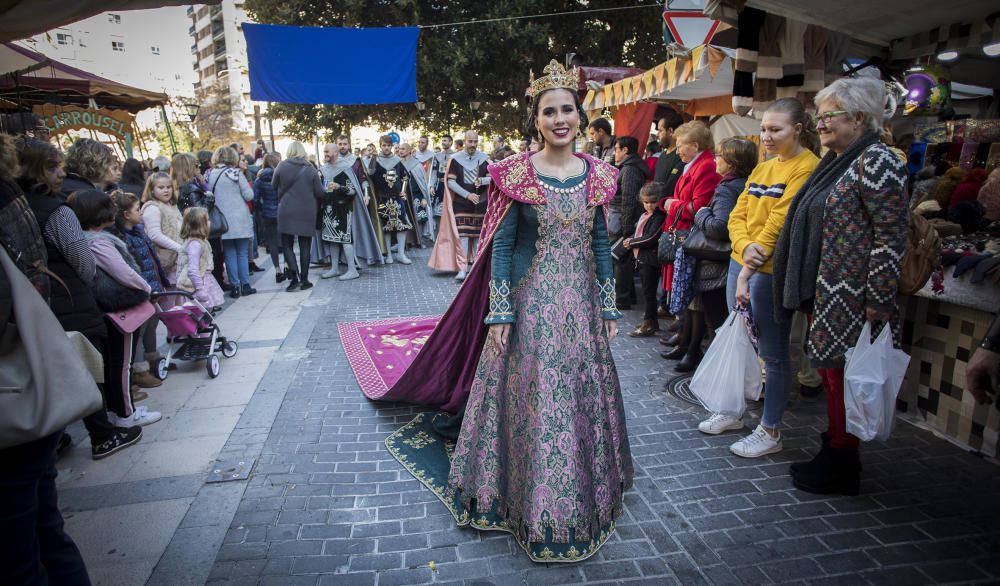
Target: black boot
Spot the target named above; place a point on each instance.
(797, 467)
(839, 472)
(696, 331)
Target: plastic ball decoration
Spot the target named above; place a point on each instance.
(928, 91)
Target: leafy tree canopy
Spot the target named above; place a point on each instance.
(486, 62)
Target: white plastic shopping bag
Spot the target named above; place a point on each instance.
(872, 378)
(729, 372)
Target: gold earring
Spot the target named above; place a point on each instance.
(579, 133)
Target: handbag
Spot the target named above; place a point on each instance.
(666, 246)
(217, 222)
(618, 249)
(131, 319)
(44, 384)
(699, 246)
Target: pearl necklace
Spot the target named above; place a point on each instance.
(564, 190)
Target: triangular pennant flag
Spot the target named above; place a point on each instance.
(716, 58)
(647, 80)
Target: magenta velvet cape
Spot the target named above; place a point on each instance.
(441, 374)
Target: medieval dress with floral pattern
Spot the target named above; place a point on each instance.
(543, 452)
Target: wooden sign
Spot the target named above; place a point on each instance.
(62, 118)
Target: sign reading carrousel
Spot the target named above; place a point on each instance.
(62, 118)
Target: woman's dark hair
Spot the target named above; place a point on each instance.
(34, 156)
(271, 160)
(132, 173)
(92, 207)
(809, 137)
(530, 125)
(740, 154)
(653, 147)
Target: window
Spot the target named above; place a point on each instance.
(118, 46)
(154, 50)
(64, 39)
(115, 18)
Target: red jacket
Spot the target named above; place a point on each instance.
(693, 191)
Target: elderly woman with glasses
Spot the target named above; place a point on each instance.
(838, 259)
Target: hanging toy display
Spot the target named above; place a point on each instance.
(928, 91)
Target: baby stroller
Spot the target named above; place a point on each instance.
(192, 334)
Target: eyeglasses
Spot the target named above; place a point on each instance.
(825, 117)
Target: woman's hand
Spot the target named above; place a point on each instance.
(499, 335)
(873, 315)
(981, 378)
(743, 286)
(611, 328)
(754, 256)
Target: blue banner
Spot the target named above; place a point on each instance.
(287, 64)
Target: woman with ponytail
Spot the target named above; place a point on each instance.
(789, 136)
(838, 259)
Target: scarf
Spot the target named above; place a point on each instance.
(797, 254)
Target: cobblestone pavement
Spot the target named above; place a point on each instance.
(327, 504)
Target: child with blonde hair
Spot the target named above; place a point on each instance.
(162, 220)
(195, 262)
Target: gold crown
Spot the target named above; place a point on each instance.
(556, 76)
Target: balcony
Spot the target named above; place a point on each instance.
(220, 50)
(218, 30)
(216, 10)
(194, 48)
(191, 30)
(190, 10)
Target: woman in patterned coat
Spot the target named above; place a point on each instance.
(838, 259)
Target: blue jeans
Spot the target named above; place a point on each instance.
(773, 342)
(237, 253)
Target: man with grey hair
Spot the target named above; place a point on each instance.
(162, 164)
(468, 180)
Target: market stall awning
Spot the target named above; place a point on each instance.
(28, 78)
(703, 81)
(20, 19)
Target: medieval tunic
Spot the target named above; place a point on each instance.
(417, 189)
(364, 235)
(336, 222)
(386, 175)
(438, 170)
(464, 172)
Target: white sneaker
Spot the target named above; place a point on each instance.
(757, 444)
(403, 259)
(388, 259)
(141, 416)
(719, 423)
(331, 273)
(349, 276)
(460, 276)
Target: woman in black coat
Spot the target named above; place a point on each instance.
(734, 160)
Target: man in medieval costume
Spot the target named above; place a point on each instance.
(439, 169)
(419, 192)
(345, 222)
(387, 175)
(468, 181)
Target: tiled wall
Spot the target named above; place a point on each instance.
(940, 337)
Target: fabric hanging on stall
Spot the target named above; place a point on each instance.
(635, 120)
(747, 45)
(769, 69)
(814, 49)
(793, 60)
(281, 70)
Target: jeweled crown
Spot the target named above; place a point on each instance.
(556, 76)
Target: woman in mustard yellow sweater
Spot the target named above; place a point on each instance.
(789, 137)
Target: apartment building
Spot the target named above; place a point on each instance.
(219, 59)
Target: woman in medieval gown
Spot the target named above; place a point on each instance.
(543, 450)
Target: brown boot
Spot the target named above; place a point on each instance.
(644, 330)
(146, 380)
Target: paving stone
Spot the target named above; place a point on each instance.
(328, 505)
